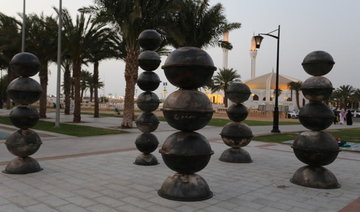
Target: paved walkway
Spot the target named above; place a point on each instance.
(97, 174)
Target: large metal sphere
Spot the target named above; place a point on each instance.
(24, 117)
(237, 112)
(316, 148)
(316, 116)
(24, 90)
(186, 152)
(147, 122)
(238, 92)
(236, 134)
(148, 101)
(149, 39)
(23, 143)
(146, 143)
(317, 88)
(187, 110)
(148, 81)
(318, 63)
(25, 64)
(189, 67)
(149, 60)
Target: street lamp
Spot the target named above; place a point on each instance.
(258, 38)
(58, 75)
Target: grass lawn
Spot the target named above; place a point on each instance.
(67, 129)
(349, 135)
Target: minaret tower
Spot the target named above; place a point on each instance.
(253, 53)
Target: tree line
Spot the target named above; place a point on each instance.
(109, 29)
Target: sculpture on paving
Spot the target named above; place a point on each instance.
(187, 110)
(316, 148)
(148, 101)
(24, 91)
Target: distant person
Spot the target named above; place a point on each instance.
(336, 116)
(342, 116)
(349, 118)
(117, 110)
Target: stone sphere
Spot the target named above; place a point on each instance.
(238, 92)
(236, 134)
(148, 81)
(187, 110)
(146, 143)
(148, 101)
(237, 112)
(317, 88)
(23, 143)
(147, 122)
(318, 63)
(316, 148)
(189, 67)
(316, 116)
(149, 60)
(24, 117)
(186, 152)
(25, 64)
(24, 90)
(149, 39)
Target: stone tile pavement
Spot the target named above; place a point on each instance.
(111, 182)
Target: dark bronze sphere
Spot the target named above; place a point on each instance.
(146, 143)
(189, 67)
(237, 112)
(236, 134)
(187, 110)
(186, 152)
(317, 88)
(316, 116)
(316, 148)
(25, 64)
(149, 60)
(147, 122)
(318, 63)
(24, 117)
(148, 101)
(149, 39)
(24, 90)
(148, 81)
(23, 143)
(238, 92)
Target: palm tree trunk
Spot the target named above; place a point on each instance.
(131, 73)
(297, 99)
(77, 99)
(67, 84)
(43, 75)
(96, 85)
(225, 97)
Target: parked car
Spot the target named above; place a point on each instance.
(293, 114)
(356, 113)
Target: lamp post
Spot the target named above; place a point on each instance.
(23, 28)
(258, 38)
(58, 76)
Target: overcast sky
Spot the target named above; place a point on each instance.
(306, 25)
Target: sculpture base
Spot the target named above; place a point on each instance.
(146, 160)
(233, 155)
(22, 166)
(183, 187)
(315, 177)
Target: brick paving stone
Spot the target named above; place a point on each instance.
(109, 201)
(138, 202)
(71, 208)
(52, 201)
(101, 208)
(80, 201)
(23, 200)
(11, 208)
(130, 208)
(158, 208)
(40, 208)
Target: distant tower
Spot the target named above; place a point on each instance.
(253, 53)
(225, 51)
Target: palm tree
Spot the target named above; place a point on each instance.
(40, 27)
(197, 24)
(356, 98)
(295, 86)
(85, 82)
(222, 80)
(131, 17)
(345, 91)
(78, 38)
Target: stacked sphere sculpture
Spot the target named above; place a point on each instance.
(187, 110)
(236, 134)
(316, 148)
(148, 101)
(24, 91)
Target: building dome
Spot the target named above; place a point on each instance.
(267, 81)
